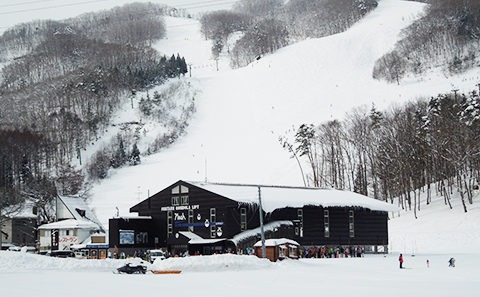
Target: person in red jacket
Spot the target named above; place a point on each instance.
(400, 259)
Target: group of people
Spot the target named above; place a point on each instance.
(451, 262)
(332, 252)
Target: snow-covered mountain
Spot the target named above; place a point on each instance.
(233, 137)
(241, 113)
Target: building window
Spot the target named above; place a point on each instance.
(176, 190)
(300, 218)
(326, 223)
(243, 219)
(213, 218)
(142, 237)
(184, 200)
(183, 189)
(74, 232)
(175, 200)
(67, 232)
(190, 220)
(42, 233)
(169, 223)
(292, 251)
(351, 223)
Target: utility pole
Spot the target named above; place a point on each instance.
(261, 222)
(455, 90)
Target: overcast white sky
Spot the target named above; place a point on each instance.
(18, 11)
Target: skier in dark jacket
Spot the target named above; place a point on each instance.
(451, 262)
(400, 259)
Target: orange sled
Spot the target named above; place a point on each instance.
(166, 271)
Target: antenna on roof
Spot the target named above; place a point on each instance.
(206, 180)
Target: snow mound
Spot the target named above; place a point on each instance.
(223, 262)
(15, 262)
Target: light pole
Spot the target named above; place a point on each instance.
(262, 233)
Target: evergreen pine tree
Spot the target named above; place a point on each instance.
(120, 157)
(134, 157)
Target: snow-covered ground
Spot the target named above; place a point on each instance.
(438, 234)
(234, 275)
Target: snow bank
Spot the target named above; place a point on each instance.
(223, 262)
(17, 261)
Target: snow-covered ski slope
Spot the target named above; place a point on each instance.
(241, 113)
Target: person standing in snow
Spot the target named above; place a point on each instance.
(400, 259)
(452, 262)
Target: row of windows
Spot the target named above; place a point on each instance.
(176, 200)
(243, 221)
(180, 190)
(213, 219)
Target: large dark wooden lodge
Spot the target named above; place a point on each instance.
(208, 218)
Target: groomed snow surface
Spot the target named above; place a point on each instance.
(234, 275)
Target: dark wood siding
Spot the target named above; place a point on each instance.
(138, 225)
(370, 227)
(227, 211)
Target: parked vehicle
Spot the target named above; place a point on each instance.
(80, 254)
(156, 254)
(26, 249)
(45, 253)
(62, 254)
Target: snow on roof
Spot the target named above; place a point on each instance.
(205, 241)
(274, 197)
(25, 210)
(195, 239)
(69, 224)
(254, 232)
(190, 235)
(276, 241)
(80, 210)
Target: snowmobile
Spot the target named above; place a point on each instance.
(131, 268)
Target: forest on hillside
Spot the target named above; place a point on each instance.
(268, 25)
(446, 37)
(60, 84)
(397, 153)
(62, 81)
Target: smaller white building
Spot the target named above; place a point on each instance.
(76, 225)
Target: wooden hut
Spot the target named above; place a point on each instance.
(278, 249)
